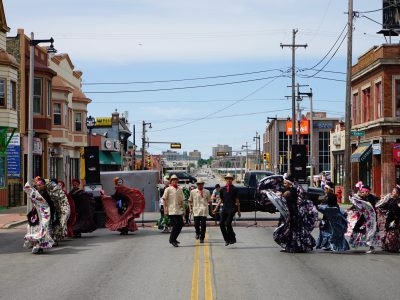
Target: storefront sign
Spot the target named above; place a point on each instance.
(103, 122)
(304, 127)
(322, 125)
(376, 149)
(396, 154)
(37, 146)
(14, 157)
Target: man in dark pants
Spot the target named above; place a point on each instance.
(199, 200)
(174, 207)
(230, 200)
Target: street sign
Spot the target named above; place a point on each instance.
(176, 146)
(358, 133)
(222, 153)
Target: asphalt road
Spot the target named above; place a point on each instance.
(105, 265)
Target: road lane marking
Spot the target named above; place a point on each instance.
(195, 277)
(208, 294)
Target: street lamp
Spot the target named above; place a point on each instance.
(276, 159)
(51, 50)
(90, 124)
(257, 139)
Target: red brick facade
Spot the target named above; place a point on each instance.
(376, 111)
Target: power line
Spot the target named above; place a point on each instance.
(323, 78)
(224, 108)
(184, 87)
(199, 101)
(183, 79)
(376, 10)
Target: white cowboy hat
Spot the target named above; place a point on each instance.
(229, 175)
(200, 181)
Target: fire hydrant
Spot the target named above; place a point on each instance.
(339, 193)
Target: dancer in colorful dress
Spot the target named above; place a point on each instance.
(123, 207)
(62, 211)
(388, 210)
(332, 233)
(38, 229)
(364, 232)
(294, 235)
(199, 200)
(72, 215)
(84, 207)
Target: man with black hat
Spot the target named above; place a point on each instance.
(174, 207)
(230, 198)
(199, 200)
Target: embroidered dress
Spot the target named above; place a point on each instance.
(335, 228)
(389, 222)
(84, 207)
(299, 215)
(366, 235)
(38, 236)
(62, 208)
(124, 218)
(72, 216)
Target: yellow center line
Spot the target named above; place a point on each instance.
(208, 294)
(195, 277)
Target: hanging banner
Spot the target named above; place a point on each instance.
(304, 127)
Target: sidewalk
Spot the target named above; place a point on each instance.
(12, 217)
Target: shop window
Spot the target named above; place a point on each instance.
(48, 97)
(37, 96)
(366, 105)
(355, 109)
(397, 97)
(2, 93)
(2, 172)
(378, 100)
(324, 151)
(57, 114)
(78, 121)
(66, 115)
(13, 95)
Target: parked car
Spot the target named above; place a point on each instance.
(183, 177)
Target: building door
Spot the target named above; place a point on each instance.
(377, 188)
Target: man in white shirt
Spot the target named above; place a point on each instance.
(199, 200)
(174, 207)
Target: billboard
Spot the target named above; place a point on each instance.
(304, 127)
(103, 122)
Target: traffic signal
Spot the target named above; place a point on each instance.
(266, 157)
(149, 160)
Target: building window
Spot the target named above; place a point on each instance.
(66, 115)
(324, 151)
(355, 109)
(37, 96)
(57, 114)
(74, 170)
(378, 100)
(283, 152)
(78, 121)
(366, 105)
(397, 96)
(13, 95)
(2, 93)
(48, 96)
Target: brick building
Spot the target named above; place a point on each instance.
(376, 117)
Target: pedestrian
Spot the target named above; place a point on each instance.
(199, 201)
(123, 207)
(38, 235)
(174, 207)
(230, 199)
(294, 235)
(388, 210)
(84, 207)
(215, 197)
(333, 225)
(72, 215)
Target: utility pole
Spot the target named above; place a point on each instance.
(293, 46)
(144, 143)
(311, 141)
(347, 150)
(258, 146)
(247, 154)
(134, 148)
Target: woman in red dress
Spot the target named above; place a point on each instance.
(72, 216)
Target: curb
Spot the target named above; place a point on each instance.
(14, 224)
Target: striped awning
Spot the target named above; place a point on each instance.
(362, 153)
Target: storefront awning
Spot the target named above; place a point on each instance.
(109, 158)
(362, 152)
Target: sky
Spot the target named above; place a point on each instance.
(201, 72)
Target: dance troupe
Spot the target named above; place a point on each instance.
(57, 215)
(369, 222)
